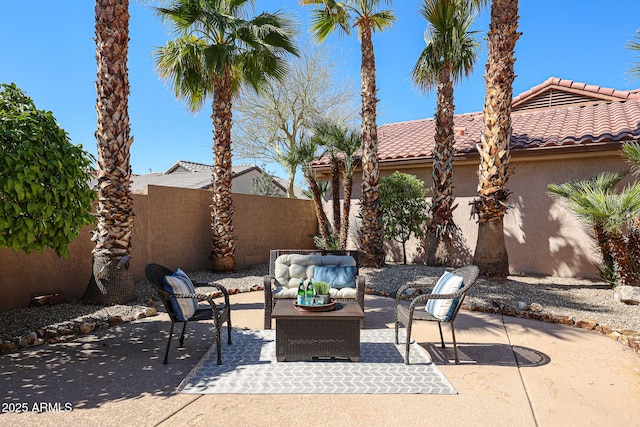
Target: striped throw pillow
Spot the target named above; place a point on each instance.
(443, 309)
(179, 283)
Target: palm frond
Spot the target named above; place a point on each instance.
(631, 150)
(634, 44)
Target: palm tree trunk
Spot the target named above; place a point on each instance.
(347, 184)
(620, 253)
(441, 228)
(603, 238)
(634, 251)
(223, 255)
(335, 193)
(491, 252)
(370, 234)
(323, 221)
(111, 282)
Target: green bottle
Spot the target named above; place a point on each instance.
(310, 293)
(301, 294)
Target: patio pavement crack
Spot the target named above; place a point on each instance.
(168, 417)
(524, 385)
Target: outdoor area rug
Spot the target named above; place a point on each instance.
(250, 367)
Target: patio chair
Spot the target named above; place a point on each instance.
(443, 301)
(182, 306)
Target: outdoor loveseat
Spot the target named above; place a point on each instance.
(288, 267)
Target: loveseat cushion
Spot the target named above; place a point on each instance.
(337, 277)
(179, 283)
(290, 268)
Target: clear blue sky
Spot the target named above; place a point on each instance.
(47, 49)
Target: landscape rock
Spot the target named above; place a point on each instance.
(115, 320)
(87, 327)
(627, 294)
(586, 324)
(535, 307)
(565, 320)
(7, 347)
(28, 340)
(151, 311)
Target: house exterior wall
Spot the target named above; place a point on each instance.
(542, 235)
(171, 227)
(244, 183)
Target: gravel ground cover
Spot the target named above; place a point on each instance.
(568, 301)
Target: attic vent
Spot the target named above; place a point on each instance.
(555, 99)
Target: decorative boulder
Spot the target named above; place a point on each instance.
(627, 294)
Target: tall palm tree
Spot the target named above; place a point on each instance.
(215, 51)
(493, 174)
(111, 282)
(450, 53)
(364, 15)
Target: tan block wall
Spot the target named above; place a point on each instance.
(172, 227)
(542, 236)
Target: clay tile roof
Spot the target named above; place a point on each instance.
(556, 92)
(579, 124)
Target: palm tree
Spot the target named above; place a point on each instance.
(217, 50)
(613, 211)
(111, 281)
(348, 143)
(631, 151)
(601, 184)
(450, 54)
(363, 14)
(493, 174)
(341, 145)
(304, 154)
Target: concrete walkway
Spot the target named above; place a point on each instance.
(514, 372)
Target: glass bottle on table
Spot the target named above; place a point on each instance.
(301, 293)
(310, 293)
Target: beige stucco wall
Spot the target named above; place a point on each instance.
(172, 227)
(542, 235)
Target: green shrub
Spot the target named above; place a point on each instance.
(44, 179)
(405, 209)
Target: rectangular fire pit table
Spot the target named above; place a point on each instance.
(303, 335)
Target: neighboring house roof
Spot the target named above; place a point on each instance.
(555, 114)
(193, 175)
(195, 180)
(184, 166)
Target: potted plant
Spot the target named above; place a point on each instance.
(322, 292)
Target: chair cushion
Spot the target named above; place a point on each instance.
(337, 277)
(179, 283)
(443, 309)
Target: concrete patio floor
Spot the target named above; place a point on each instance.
(513, 371)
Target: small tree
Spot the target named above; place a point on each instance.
(405, 209)
(264, 186)
(44, 179)
(270, 123)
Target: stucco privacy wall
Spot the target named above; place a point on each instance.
(172, 227)
(542, 235)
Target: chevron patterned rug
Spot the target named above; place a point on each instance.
(250, 367)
